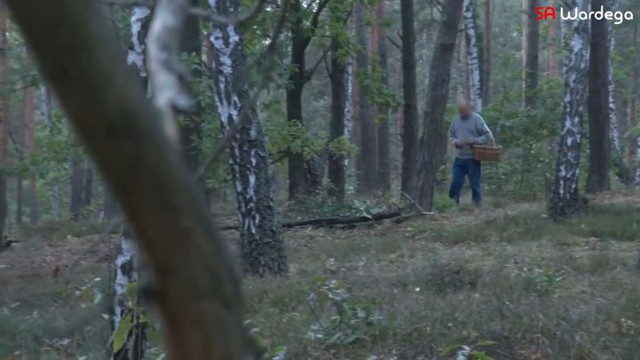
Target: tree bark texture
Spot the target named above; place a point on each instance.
(565, 198)
(433, 142)
(410, 98)
(262, 244)
(197, 290)
(598, 105)
(531, 49)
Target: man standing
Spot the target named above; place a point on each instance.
(467, 129)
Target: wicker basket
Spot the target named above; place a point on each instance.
(487, 152)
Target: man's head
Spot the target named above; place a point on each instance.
(464, 109)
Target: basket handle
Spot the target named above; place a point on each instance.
(493, 139)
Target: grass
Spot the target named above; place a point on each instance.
(506, 281)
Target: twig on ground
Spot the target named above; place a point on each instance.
(417, 206)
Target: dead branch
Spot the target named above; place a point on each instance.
(331, 221)
(199, 292)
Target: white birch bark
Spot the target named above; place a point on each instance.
(613, 115)
(565, 198)
(348, 105)
(140, 17)
(473, 59)
(134, 344)
(126, 260)
(262, 245)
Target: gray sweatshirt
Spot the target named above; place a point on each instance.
(474, 128)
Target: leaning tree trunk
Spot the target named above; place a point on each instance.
(197, 291)
(565, 198)
(531, 50)
(410, 98)
(599, 121)
(473, 58)
(262, 244)
(433, 142)
(127, 260)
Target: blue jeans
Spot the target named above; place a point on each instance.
(462, 168)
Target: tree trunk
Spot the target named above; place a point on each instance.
(433, 142)
(75, 184)
(196, 290)
(30, 145)
(531, 38)
(87, 184)
(297, 178)
(622, 170)
(5, 120)
(262, 244)
(19, 135)
(410, 98)
(45, 107)
(127, 269)
(338, 77)
(473, 58)
(124, 315)
(553, 41)
(384, 156)
(488, 53)
(367, 165)
(304, 177)
(599, 126)
(565, 198)
(191, 126)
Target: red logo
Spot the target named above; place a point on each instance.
(545, 12)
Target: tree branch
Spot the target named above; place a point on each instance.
(236, 19)
(315, 20)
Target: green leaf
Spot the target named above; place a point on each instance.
(122, 332)
(486, 343)
(449, 350)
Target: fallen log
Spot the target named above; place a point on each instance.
(330, 221)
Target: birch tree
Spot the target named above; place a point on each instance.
(127, 322)
(473, 58)
(565, 198)
(262, 244)
(623, 171)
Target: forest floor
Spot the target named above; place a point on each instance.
(506, 282)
